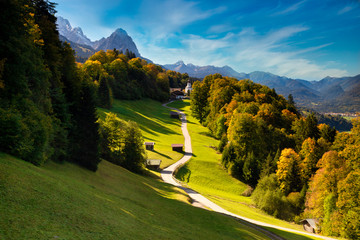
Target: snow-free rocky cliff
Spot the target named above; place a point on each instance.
(119, 39)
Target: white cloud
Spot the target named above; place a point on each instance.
(249, 51)
(197, 43)
(290, 9)
(266, 53)
(347, 8)
(221, 28)
(159, 18)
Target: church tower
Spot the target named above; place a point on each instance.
(188, 88)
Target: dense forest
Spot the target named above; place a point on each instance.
(48, 102)
(338, 122)
(122, 76)
(299, 168)
(47, 106)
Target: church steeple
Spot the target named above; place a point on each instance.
(188, 88)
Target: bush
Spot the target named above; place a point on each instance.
(26, 135)
(296, 200)
(134, 152)
(228, 156)
(11, 131)
(268, 197)
(222, 143)
(122, 143)
(248, 191)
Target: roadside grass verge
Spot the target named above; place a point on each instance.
(205, 174)
(65, 201)
(155, 124)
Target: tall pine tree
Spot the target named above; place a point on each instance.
(86, 139)
(104, 93)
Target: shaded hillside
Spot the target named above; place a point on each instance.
(326, 95)
(65, 201)
(82, 52)
(338, 94)
(337, 122)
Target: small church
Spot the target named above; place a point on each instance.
(188, 88)
(178, 93)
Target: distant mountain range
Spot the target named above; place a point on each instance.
(202, 71)
(327, 95)
(84, 47)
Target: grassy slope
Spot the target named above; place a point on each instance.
(156, 125)
(205, 174)
(64, 201)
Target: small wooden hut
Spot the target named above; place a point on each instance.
(174, 114)
(149, 146)
(177, 147)
(177, 94)
(153, 164)
(310, 225)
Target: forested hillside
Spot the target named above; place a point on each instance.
(299, 168)
(122, 76)
(253, 118)
(48, 102)
(47, 106)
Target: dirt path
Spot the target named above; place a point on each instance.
(199, 200)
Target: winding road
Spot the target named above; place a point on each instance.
(167, 175)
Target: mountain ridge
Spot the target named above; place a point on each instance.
(326, 95)
(119, 39)
(75, 35)
(202, 71)
(83, 52)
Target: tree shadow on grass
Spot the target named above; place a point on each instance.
(188, 121)
(147, 139)
(208, 134)
(183, 104)
(288, 235)
(162, 154)
(147, 122)
(183, 174)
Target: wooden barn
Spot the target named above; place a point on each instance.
(177, 147)
(310, 225)
(153, 164)
(149, 146)
(177, 94)
(174, 114)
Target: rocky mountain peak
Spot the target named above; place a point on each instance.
(179, 63)
(119, 39)
(78, 30)
(63, 25)
(120, 31)
(75, 35)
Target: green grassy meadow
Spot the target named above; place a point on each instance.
(64, 201)
(205, 174)
(156, 126)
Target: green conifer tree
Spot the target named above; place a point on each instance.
(86, 149)
(104, 93)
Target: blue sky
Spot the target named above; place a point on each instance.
(308, 39)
